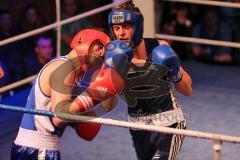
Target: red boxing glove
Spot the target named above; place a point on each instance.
(87, 130)
(107, 84)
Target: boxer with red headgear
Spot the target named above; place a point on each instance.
(52, 90)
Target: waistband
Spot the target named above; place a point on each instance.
(36, 139)
(161, 119)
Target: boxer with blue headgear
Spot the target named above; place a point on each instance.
(131, 17)
(153, 68)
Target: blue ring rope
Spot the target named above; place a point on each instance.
(65, 116)
(27, 110)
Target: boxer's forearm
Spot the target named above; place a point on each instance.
(185, 85)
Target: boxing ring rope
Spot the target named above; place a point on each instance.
(17, 84)
(100, 9)
(57, 24)
(160, 36)
(124, 124)
(63, 22)
(209, 2)
(217, 138)
(198, 40)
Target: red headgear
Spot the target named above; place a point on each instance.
(83, 40)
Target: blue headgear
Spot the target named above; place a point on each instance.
(131, 17)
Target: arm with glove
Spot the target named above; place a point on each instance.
(110, 79)
(165, 55)
(99, 90)
(108, 82)
(104, 87)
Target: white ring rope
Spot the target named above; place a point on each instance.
(100, 9)
(17, 84)
(160, 36)
(209, 2)
(63, 22)
(48, 27)
(125, 124)
(198, 40)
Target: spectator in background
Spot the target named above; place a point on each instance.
(236, 51)
(182, 20)
(212, 28)
(3, 74)
(169, 28)
(69, 9)
(43, 54)
(183, 27)
(97, 20)
(4, 79)
(10, 54)
(232, 16)
(31, 20)
(6, 25)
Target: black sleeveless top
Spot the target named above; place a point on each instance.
(147, 91)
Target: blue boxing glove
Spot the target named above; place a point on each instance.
(163, 54)
(117, 55)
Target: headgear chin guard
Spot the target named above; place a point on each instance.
(134, 18)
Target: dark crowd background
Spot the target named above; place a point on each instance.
(26, 57)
